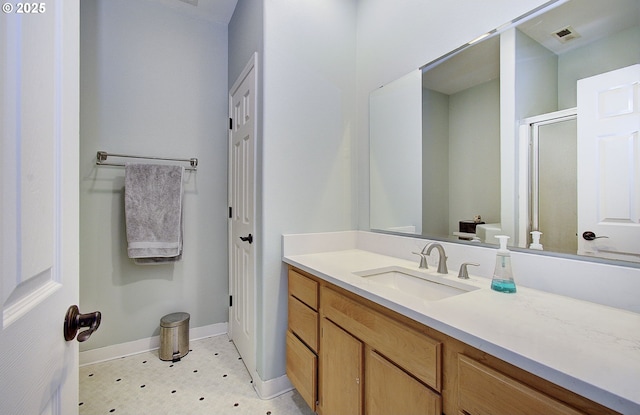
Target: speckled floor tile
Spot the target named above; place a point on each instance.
(210, 379)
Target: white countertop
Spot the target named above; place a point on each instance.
(590, 349)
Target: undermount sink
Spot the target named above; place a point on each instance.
(414, 283)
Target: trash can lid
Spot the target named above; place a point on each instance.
(174, 319)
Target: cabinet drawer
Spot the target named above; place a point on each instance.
(303, 288)
(303, 321)
(483, 390)
(415, 352)
(389, 390)
(302, 369)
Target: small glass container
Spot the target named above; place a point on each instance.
(502, 280)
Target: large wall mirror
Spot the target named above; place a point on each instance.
(532, 132)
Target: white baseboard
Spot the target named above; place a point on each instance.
(144, 345)
(269, 389)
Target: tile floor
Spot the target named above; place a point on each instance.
(210, 379)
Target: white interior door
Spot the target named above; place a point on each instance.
(242, 242)
(609, 164)
(39, 50)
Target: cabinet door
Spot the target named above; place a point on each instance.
(302, 369)
(340, 371)
(483, 390)
(389, 390)
(411, 350)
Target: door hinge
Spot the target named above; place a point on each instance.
(230, 212)
(230, 301)
(231, 123)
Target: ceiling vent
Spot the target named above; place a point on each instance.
(566, 34)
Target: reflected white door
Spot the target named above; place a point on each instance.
(609, 164)
(39, 206)
(242, 238)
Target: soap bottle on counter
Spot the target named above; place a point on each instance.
(502, 280)
(535, 235)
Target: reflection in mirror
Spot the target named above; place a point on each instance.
(461, 141)
(554, 180)
(395, 112)
(503, 121)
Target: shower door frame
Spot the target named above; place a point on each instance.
(529, 173)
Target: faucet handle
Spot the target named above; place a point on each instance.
(463, 273)
(423, 260)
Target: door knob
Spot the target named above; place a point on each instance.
(590, 236)
(74, 321)
(248, 238)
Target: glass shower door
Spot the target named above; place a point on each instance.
(554, 183)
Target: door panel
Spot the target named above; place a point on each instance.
(242, 110)
(341, 371)
(554, 144)
(609, 164)
(483, 390)
(39, 202)
(390, 390)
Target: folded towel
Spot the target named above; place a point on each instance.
(153, 212)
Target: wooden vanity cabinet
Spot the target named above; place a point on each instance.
(302, 369)
(500, 394)
(355, 379)
(477, 383)
(341, 370)
(349, 355)
(390, 390)
(302, 336)
(373, 364)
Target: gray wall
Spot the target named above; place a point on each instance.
(304, 143)
(435, 168)
(464, 126)
(474, 154)
(245, 36)
(536, 70)
(308, 183)
(313, 143)
(312, 159)
(313, 172)
(412, 36)
(614, 52)
(153, 82)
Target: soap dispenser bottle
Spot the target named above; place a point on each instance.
(502, 280)
(535, 235)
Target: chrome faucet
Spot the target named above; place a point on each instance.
(423, 260)
(442, 257)
(464, 273)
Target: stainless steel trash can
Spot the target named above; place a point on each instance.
(174, 336)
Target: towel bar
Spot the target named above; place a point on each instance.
(101, 158)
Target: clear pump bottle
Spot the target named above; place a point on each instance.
(502, 280)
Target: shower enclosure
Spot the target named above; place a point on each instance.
(553, 208)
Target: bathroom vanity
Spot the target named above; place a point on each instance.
(355, 346)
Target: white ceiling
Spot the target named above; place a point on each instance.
(591, 19)
(218, 11)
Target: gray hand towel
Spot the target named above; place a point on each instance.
(153, 212)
